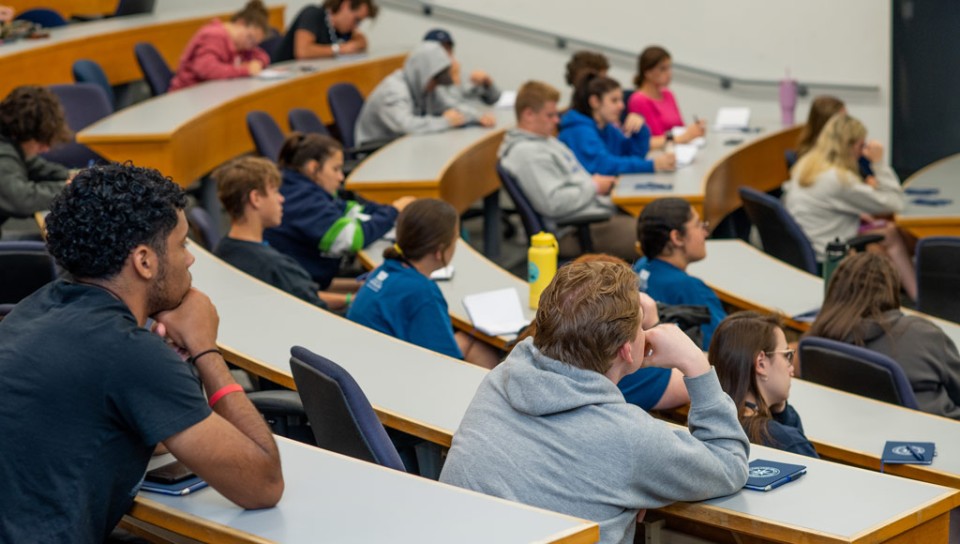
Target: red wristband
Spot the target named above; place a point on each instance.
(224, 391)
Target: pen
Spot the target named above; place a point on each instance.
(916, 454)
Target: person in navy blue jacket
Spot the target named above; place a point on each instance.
(591, 128)
(671, 236)
(319, 228)
(755, 366)
(401, 300)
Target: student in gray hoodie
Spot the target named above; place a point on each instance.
(549, 428)
(554, 181)
(406, 101)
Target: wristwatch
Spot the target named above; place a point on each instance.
(336, 49)
(670, 136)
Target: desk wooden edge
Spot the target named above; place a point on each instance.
(928, 522)
(182, 523)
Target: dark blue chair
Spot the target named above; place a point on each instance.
(25, 266)
(155, 70)
(938, 276)
(134, 7)
(83, 104)
(305, 121)
(345, 103)
(533, 222)
(855, 370)
(340, 415)
(271, 42)
(44, 17)
(204, 228)
(781, 235)
(267, 136)
(88, 71)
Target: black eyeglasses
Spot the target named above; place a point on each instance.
(788, 353)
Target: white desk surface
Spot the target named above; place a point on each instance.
(737, 268)
(264, 323)
(943, 175)
(417, 384)
(333, 498)
(423, 157)
(81, 31)
(833, 499)
(163, 114)
(689, 180)
(473, 273)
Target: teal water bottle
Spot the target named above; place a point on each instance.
(834, 253)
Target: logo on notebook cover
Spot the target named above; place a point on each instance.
(763, 472)
(905, 450)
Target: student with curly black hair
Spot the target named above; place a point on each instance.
(31, 120)
(90, 391)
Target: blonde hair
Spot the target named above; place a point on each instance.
(833, 150)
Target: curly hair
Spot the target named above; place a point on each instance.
(33, 113)
(97, 220)
(585, 61)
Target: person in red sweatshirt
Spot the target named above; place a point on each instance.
(225, 50)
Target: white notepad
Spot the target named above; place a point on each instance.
(495, 312)
(733, 119)
(685, 154)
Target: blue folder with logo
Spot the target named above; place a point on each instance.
(914, 453)
(766, 475)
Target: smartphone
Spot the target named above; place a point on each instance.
(171, 473)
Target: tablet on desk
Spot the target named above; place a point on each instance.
(172, 479)
(766, 475)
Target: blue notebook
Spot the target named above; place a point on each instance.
(179, 488)
(914, 453)
(766, 475)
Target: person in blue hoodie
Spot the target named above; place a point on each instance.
(671, 236)
(319, 228)
(591, 128)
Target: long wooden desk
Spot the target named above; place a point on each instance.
(727, 162)
(187, 133)
(67, 8)
(333, 498)
(425, 393)
(844, 427)
(925, 220)
(473, 273)
(109, 42)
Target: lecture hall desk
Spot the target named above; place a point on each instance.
(109, 42)
(188, 133)
(941, 220)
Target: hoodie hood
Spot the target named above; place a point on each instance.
(873, 330)
(516, 136)
(575, 119)
(535, 384)
(425, 61)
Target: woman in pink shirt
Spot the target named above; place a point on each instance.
(225, 50)
(655, 102)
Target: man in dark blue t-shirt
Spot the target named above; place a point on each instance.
(89, 392)
(328, 30)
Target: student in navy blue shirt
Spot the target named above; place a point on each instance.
(401, 300)
(755, 366)
(319, 228)
(671, 236)
(591, 128)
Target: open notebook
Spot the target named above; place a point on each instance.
(495, 312)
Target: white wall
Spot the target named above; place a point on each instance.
(818, 40)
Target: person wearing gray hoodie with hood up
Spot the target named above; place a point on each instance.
(549, 428)
(405, 102)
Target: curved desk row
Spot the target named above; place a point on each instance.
(727, 162)
(187, 133)
(427, 394)
(333, 498)
(940, 215)
(109, 42)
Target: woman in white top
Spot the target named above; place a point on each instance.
(829, 199)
